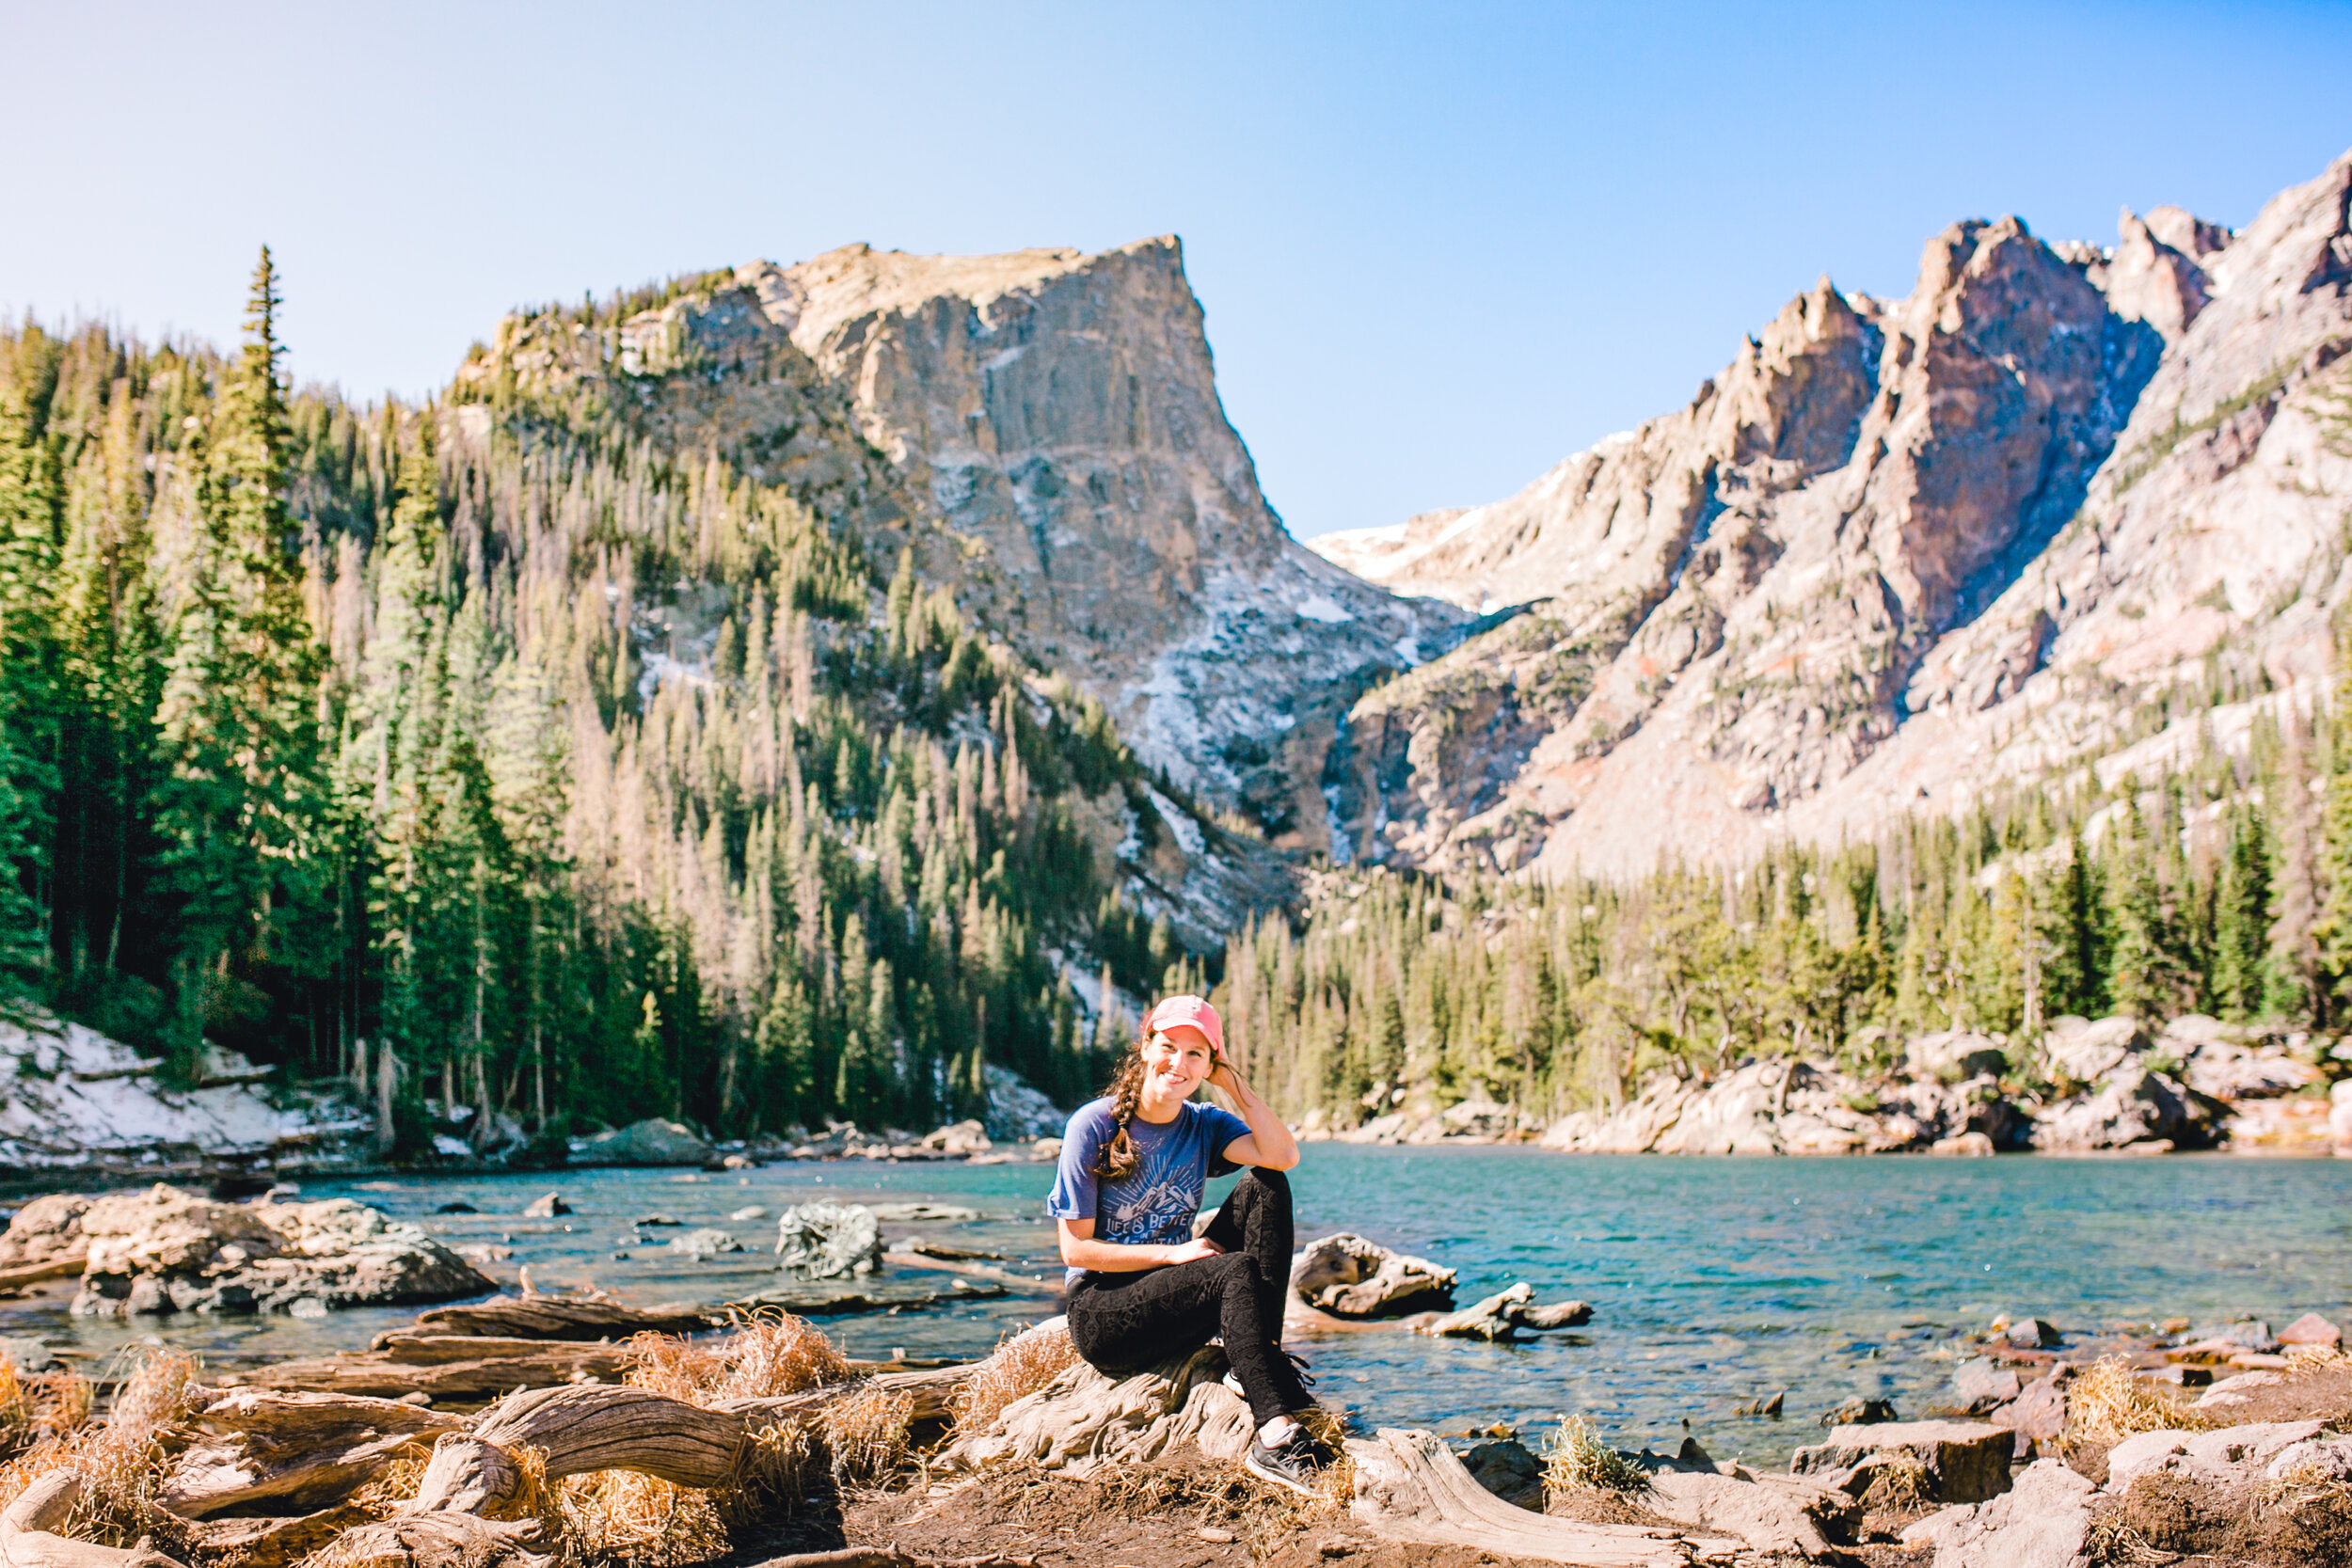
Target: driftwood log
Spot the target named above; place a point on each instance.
(298, 1450)
(537, 1317)
(29, 1537)
(974, 1270)
(262, 1541)
(448, 1368)
(1410, 1487)
(17, 1275)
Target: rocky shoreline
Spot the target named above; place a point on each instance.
(2054, 1445)
(2082, 1087)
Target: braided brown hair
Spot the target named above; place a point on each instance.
(1119, 1157)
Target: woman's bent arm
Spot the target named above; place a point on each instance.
(1269, 1144)
(1080, 1250)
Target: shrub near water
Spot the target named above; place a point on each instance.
(2106, 1405)
(1576, 1460)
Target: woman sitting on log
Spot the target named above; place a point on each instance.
(1142, 1288)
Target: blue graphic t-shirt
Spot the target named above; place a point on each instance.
(1157, 1203)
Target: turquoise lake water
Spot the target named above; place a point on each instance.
(1713, 1281)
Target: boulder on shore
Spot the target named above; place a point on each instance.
(1350, 1278)
(1963, 1462)
(828, 1241)
(650, 1142)
(167, 1250)
(48, 1230)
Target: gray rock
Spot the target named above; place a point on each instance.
(705, 1242)
(2311, 1329)
(1978, 1385)
(166, 1250)
(651, 1142)
(1966, 1461)
(2251, 1333)
(2132, 1106)
(2081, 1052)
(1859, 1411)
(47, 1228)
(2042, 1522)
(2312, 1461)
(2032, 1334)
(1955, 1055)
(2230, 1457)
(1350, 1278)
(828, 1241)
(545, 1205)
(1509, 1471)
(28, 1355)
(2038, 1414)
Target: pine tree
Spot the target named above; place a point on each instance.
(241, 798)
(30, 688)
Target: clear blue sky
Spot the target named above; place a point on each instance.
(1441, 246)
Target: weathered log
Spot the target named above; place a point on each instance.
(808, 1302)
(406, 1368)
(1030, 1283)
(262, 1542)
(29, 1537)
(442, 1540)
(17, 1275)
(890, 1556)
(551, 1318)
(595, 1427)
(1410, 1487)
(303, 1449)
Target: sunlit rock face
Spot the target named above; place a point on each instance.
(1896, 553)
(1043, 429)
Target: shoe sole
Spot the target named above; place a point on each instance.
(1262, 1473)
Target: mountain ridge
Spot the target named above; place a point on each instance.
(1884, 512)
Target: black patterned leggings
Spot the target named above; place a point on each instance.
(1122, 1321)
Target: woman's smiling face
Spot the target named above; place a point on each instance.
(1175, 1062)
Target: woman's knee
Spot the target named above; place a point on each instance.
(1239, 1271)
(1274, 1186)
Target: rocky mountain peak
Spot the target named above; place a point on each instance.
(1750, 616)
(1043, 430)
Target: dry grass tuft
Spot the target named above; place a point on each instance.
(40, 1407)
(2314, 1358)
(122, 1458)
(621, 1516)
(1021, 1366)
(395, 1483)
(867, 1436)
(1576, 1460)
(2106, 1405)
(1900, 1485)
(773, 1475)
(770, 1353)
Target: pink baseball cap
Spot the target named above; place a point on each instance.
(1175, 1010)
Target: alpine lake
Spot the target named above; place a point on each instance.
(1714, 1282)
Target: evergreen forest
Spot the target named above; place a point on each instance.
(546, 775)
(2224, 886)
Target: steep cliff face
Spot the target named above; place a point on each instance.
(1044, 429)
(1895, 551)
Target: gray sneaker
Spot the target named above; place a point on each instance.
(1298, 1463)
